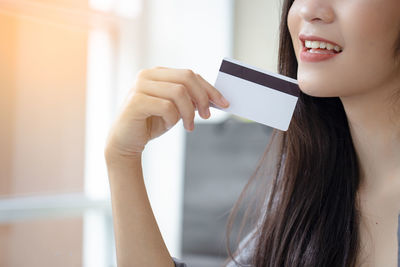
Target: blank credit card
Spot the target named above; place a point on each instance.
(258, 95)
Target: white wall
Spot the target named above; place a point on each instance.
(256, 32)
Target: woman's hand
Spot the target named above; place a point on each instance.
(159, 98)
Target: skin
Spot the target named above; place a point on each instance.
(366, 78)
(157, 101)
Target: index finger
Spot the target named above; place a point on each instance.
(200, 91)
(213, 93)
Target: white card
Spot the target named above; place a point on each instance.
(258, 95)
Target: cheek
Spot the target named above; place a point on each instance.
(369, 33)
(293, 22)
(370, 29)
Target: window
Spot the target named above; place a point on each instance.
(65, 67)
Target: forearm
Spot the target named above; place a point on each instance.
(137, 236)
(159, 98)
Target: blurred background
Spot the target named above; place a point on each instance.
(65, 68)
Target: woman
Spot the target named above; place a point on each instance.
(335, 196)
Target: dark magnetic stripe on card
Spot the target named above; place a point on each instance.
(259, 78)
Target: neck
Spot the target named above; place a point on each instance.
(374, 121)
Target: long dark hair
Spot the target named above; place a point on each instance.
(310, 216)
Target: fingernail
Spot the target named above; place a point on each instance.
(207, 113)
(191, 126)
(223, 101)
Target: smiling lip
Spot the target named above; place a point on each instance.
(314, 57)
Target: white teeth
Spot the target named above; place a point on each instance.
(322, 45)
(315, 44)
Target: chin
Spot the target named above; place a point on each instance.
(317, 87)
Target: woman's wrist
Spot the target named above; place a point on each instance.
(117, 158)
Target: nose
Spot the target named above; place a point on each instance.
(317, 11)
